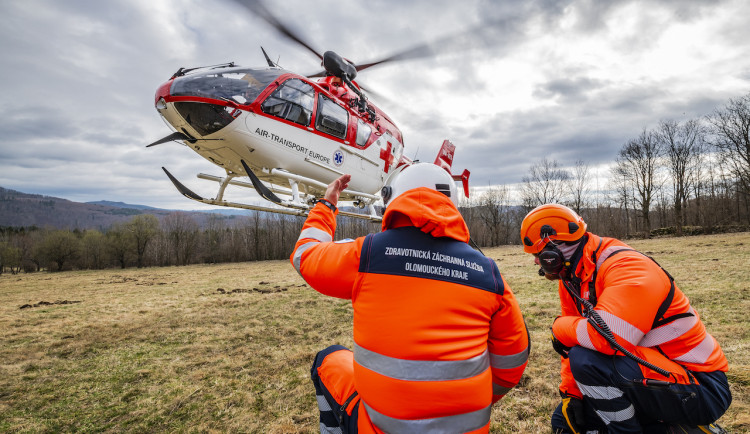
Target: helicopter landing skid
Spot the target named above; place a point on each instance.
(284, 207)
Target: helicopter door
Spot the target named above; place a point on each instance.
(363, 135)
(332, 120)
(292, 102)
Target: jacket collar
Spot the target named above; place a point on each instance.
(428, 210)
(586, 265)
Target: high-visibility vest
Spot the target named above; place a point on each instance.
(642, 306)
(438, 334)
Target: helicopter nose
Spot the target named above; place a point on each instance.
(205, 118)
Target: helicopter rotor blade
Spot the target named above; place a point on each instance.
(429, 49)
(450, 43)
(379, 97)
(258, 8)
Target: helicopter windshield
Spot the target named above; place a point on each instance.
(229, 84)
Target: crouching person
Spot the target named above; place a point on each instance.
(635, 355)
(438, 334)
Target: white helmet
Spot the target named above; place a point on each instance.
(420, 175)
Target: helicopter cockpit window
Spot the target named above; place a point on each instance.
(240, 85)
(331, 118)
(363, 133)
(292, 101)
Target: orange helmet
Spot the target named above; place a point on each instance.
(550, 222)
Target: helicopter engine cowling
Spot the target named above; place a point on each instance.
(338, 66)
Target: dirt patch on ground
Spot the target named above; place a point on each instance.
(48, 303)
(262, 289)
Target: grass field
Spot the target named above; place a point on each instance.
(228, 348)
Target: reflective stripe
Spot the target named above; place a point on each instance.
(669, 332)
(329, 430)
(316, 234)
(582, 334)
(421, 370)
(499, 390)
(616, 416)
(464, 422)
(700, 353)
(323, 404)
(621, 328)
(298, 254)
(607, 253)
(510, 361)
(600, 392)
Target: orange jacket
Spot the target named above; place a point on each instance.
(438, 334)
(630, 290)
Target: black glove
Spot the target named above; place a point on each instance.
(558, 346)
(572, 410)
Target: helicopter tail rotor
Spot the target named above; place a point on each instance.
(464, 178)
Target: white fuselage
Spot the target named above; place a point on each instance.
(266, 143)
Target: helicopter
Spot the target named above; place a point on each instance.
(290, 134)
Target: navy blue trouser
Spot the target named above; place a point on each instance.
(333, 418)
(614, 403)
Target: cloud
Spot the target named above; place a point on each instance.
(509, 82)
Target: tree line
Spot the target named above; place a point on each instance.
(680, 177)
(145, 241)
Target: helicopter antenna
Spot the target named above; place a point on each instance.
(415, 153)
(268, 59)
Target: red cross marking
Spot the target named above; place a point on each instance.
(385, 155)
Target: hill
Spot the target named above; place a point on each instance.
(23, 209)
(122, 205)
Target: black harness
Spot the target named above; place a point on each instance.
(659, 319)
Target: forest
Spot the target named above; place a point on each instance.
(678, 178)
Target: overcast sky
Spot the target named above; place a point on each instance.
(565, 80)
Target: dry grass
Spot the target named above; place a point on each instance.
(219, 348)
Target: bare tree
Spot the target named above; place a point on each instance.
(61, 247)
(731, 137)
(117, 244)
(182, 232)
(545, 184)
(621, 191)
(213, 237)
(683, 146)
(93, 249)
(580, 187)
(10, 257)
(638, 162)
(141, 229)
(493, 211)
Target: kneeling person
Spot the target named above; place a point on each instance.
(616, 301)
(438, 334)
